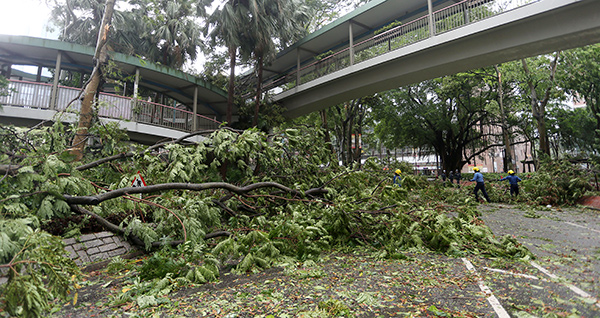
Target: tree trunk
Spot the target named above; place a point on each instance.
(326, 128)
(508, 154)
(538, 107)
(349, 153)
(259, 63)
(231, 86)
(100, 57)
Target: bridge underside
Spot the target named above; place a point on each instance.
(538, 28)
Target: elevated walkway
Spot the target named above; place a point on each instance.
(199, 105)
(347, 59)
(145, 122)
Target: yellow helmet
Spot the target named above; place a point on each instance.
(398, 171)
(476, 169)
(511, 172)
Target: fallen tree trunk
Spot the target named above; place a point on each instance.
(97, 199)
(9, 169)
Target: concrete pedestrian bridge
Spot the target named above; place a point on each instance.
(33, 99)
(354, 57)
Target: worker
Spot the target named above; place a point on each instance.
(514, 182)
(397, 179)
(478, 177)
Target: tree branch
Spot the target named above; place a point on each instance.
(97, 199)
(104, 160)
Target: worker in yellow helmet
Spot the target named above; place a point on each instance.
(397, 180)
(480, 185)
(514, 182)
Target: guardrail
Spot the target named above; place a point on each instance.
(38, 95)
(446, 19)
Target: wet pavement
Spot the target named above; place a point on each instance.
(563, 278)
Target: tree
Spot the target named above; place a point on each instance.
(172, 30)
(581, 78)
(449, 115)
(227, 24)
(539, 83)
(347, 122)
(273, 23)
(570, 129)
(89, 94)
(508, 158)
(163, 32)
(77, 20)
(4, 90)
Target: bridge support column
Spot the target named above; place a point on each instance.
(298, 67)
(136, 83)
(38, 76)
(54, 93)
(431, 20)
(134, 101)
(351, 43)
(195, 110)
(8, 71)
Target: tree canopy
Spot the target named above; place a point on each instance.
(450, 115)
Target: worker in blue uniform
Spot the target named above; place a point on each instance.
(480, 185)
(514, 182)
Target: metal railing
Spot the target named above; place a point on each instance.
(446, 19)
(38, 95)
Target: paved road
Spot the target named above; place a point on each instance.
(564, 277)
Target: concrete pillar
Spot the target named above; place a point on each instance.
(351, 43)
(298, 67)
(195, 118)
(136, 83)
(54, 93)
(38, 76)
(431, 24)
(134, 100)
(6, 72)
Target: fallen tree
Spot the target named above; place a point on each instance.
(246, 199)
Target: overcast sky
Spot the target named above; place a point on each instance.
(24, 17)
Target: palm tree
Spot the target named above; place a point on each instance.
(174, 32)
(160, 31)
(227, 24)
(274, 24)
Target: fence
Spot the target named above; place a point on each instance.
(446, 19)
(38, 95)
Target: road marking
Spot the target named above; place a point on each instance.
(510, 273)
(572, 287)
(581, 226)
(500, 311)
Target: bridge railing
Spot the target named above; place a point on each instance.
(446, 19)
(38, 96)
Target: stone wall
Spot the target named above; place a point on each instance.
(90, 248)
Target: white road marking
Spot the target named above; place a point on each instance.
(500, 311)
(572, 287)
(510, 273)
(581, 226)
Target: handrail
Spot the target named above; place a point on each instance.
(445, 19)
(37, 95)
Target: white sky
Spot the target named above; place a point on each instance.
(24, 17)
